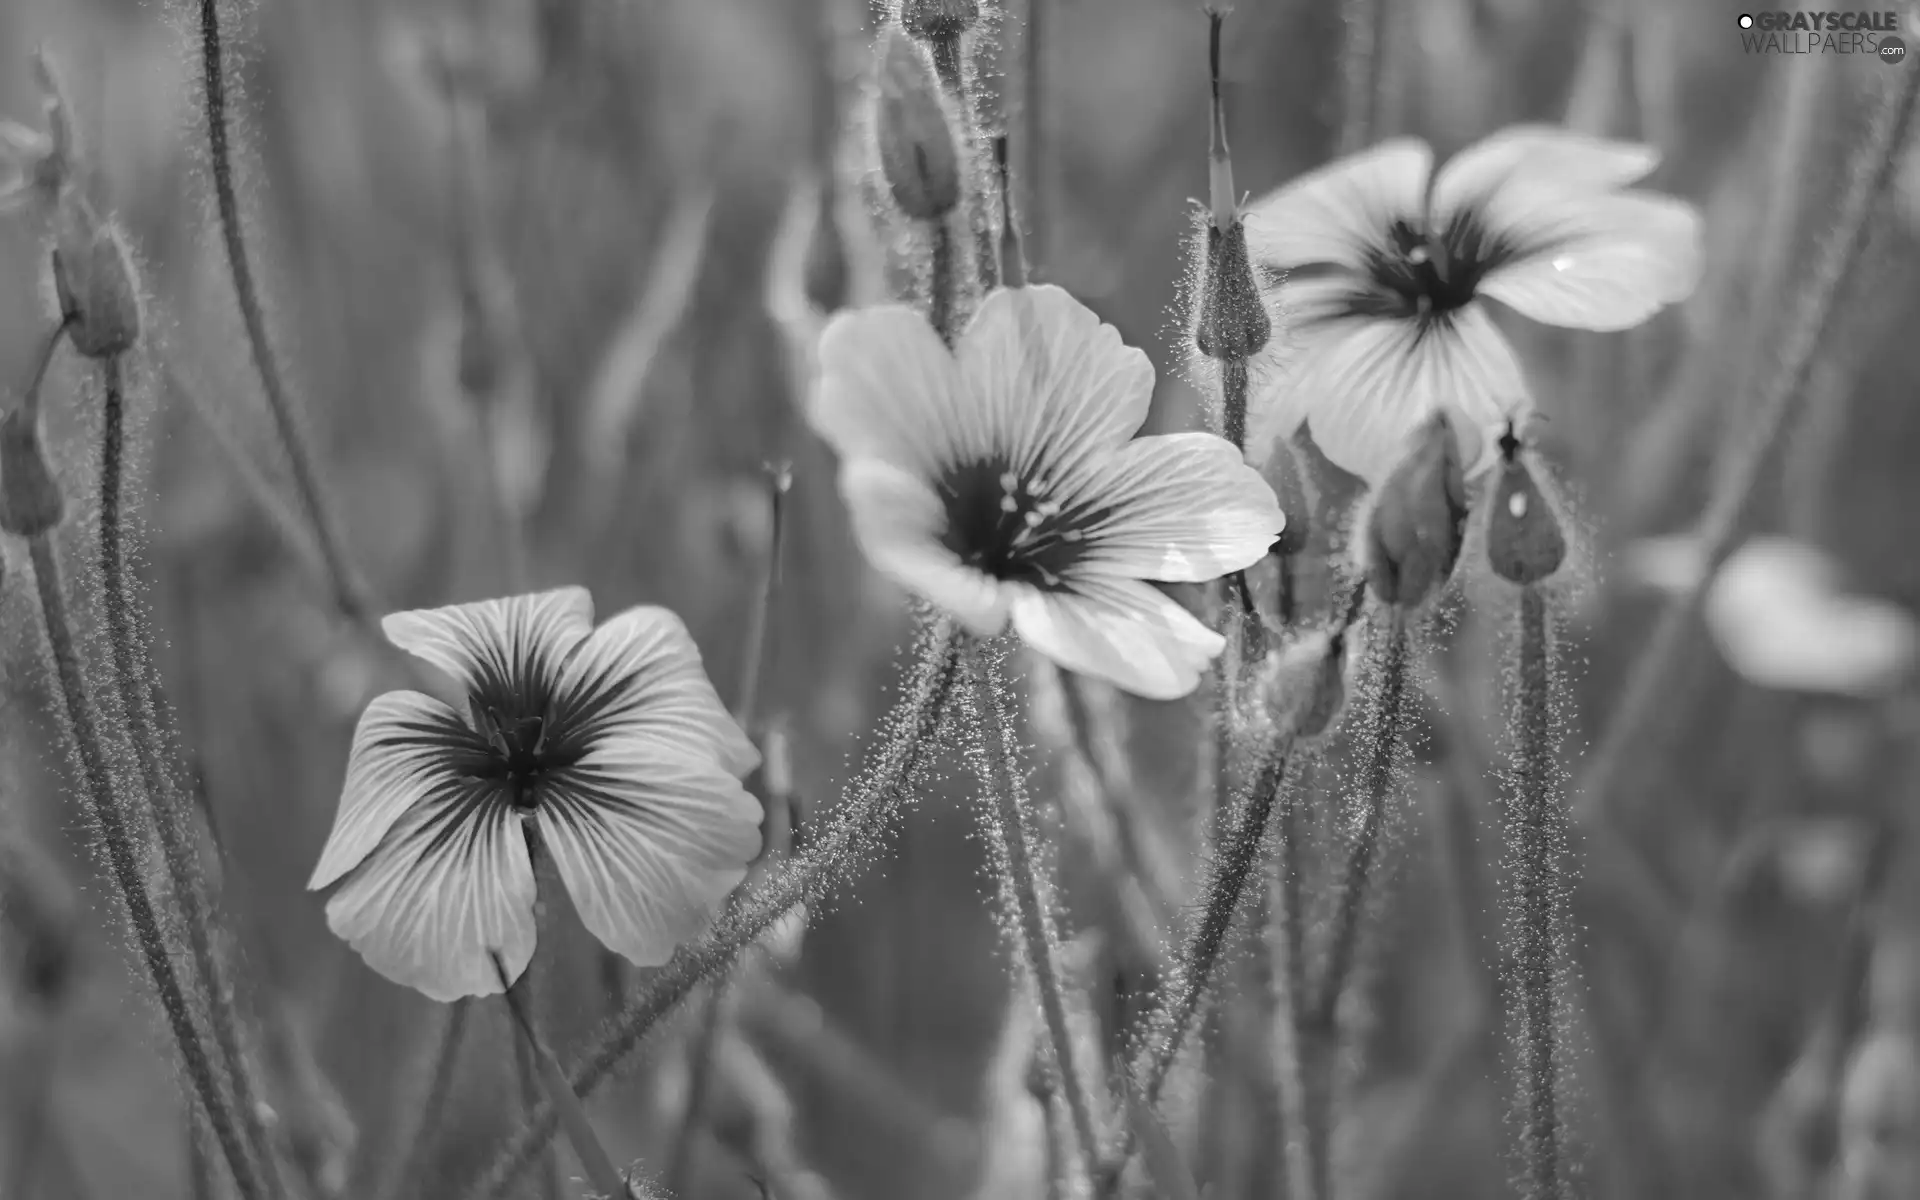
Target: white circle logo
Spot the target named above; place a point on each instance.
(1746, 21)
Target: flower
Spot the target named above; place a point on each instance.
(606, 743)
(1391, 265)
(1001, 482)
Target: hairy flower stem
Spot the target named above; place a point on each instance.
(83, 727)
(1285, 943)
(1870, 173)
(846, 841)
(1536, 824)
(404, 1183)
(1013, 822)
(944, 283)
(171, 816)
(606, 1179)
(348, 591)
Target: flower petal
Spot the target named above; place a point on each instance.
(1122, 631)
(1531, 155)
(499, 651)
(898, 521)
(1056, 386)
(890, 389)
(1368, 382)
(1606, 262)
(1338, 213)
(648, 842)
(1181, 508)
(450, 885)
(407, 747)
(640, 675)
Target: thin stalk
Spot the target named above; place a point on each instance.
(944, 283)
(404, 1181)
(1358, 67)
(83, 724)
(348, 592)
(607, 1180)
(1039, 940)
(1869, 175)
(1536, 835)
(1285, 948)
(1034, 100)
(527, 1072)
(171, 816)
(850, 837)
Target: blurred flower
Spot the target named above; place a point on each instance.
(1778, 614)
(1390, 263)
(1001, 482)
(608, 745)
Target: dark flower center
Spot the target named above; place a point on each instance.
(1013, 526)
(1429, 274)
(519, 752)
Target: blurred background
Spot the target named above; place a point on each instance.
(598, 261)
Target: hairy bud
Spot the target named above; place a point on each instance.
(1233, 319)
(1524, 541)
(1306, 687)
(94, 279)
(918, 157)
(931, 19)
(30, 499)
(1418, 520)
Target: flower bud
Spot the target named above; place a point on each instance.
(1306, 686)
(94, 280)
(1287, 473)
(30, 500)
(918, 157)
(1524, 542)
(1418, 520)
(1233, 319)
(929, 19)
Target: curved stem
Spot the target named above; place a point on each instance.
(348, 592)
(1039, 940)
(170, 815)
(851, 837)
(83, 726)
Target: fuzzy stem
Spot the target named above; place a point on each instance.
(850, 838)
(1870, 173)
(171, 817)
(944, 283)
(608, 1183)
(403, 1182)
(1286, 945)
(348, 592)
(1537, 830)
(83, 726)
(1039, 940)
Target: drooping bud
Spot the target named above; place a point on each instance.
(94, 280)
(1524, 542)
(30, 499)
(1306, 684)
(930, 19)
(918, 155)
(1418, 520)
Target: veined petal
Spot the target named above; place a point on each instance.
(1340, 212)
(1606, 261)
(1533, 155)
(1181, 508)
(499, 651)
(639, 675)
(450, 885)
(407, 747)
(1370, 381)
(1119, 630)
(898, 521)
(890, 389)
(648, 842)
(1056, 386)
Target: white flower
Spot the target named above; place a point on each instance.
(1391, 263)
(1001, 482)
(608, 743)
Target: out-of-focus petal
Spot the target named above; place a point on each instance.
(449, 886)
(498, 650)
(1181, 508)
(898, 521)
(890, 389)
(648, 842)
(1368, 382)
(1338, 213)
(1779, 617)
(1121, 631)
(1526, 156)
(1055, 385)
(640, 675)
(1604, 261)
(407, 747)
